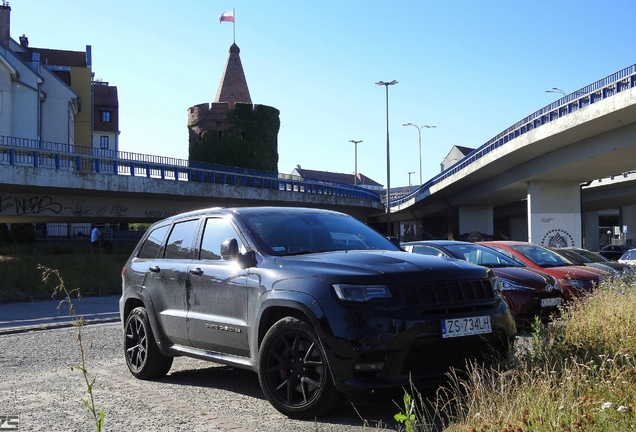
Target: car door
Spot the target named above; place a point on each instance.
(217, 294)
(166, 280)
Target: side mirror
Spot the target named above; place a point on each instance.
(230, 250)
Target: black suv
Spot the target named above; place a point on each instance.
(314, 301)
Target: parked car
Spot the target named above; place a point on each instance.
(628, 258)
(573, 280)
(290, 294)
(578, 256)
(614, 252)
(528, 292)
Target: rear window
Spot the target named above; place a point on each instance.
(180, 244)
(152, 245)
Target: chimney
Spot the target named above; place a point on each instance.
(5, 15)
(24, 41)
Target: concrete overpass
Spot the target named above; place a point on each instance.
(47, 182)
(536, 173)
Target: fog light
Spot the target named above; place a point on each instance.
(368, 367)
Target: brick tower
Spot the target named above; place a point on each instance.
(232, 130)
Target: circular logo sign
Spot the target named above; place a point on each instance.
(557, 238)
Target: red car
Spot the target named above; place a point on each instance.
(573, 280)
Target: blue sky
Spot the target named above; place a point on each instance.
(470, 68)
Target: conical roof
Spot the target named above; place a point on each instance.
(233, 86)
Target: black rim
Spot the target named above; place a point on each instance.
(136, 343)
(295, 368)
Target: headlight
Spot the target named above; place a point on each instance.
(361, 293)
(494, 281)
(508, 285)
(575, 283)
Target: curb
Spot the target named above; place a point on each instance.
(43, 327)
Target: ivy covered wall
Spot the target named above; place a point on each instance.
(246, 137)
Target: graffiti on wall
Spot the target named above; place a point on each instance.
(45, 205)
(557, 238)
(29, 205)
(160, 214)
(556, 230)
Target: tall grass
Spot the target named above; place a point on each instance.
(578, 375)
(97, 272)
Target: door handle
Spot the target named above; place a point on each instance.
(154, 269)
(196, 271)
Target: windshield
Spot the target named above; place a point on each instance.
(482, 255)
(591, 256)
(573, 257)
(300, 233)
(541, 256)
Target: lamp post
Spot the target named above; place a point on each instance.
(556, 90)
(389, 231)
(410, 172)
(355, 177)
(419, 140)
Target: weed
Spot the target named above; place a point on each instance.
(60, 288)
(578, 374)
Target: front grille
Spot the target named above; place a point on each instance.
(436, 294)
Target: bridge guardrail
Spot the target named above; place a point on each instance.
(592, 93)
(48, 155)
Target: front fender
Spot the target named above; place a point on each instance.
(275, 305)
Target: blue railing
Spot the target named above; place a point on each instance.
(68, 157)
(602, 89)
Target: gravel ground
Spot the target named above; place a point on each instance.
(38, 383)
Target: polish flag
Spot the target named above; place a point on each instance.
(226, 16)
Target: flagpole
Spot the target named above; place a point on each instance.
(234, 27)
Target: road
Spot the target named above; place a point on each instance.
(39, 384)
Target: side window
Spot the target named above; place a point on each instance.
(216, 231)
(153, 243)
(181, 241)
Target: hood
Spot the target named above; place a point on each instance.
(575, 272)
(527, 277)
(394, 266)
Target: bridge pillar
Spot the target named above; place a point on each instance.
(628, 219)
(554, 213)
(592, 230)
(475, 219)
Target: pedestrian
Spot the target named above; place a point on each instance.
(96, 236)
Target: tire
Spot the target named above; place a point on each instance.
(293, 371)
(143, 357)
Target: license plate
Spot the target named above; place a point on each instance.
(466, 326)
(549, 302)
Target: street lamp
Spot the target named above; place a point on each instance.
(355, 178)
(388, 161)
(556, 90)
(419, 140)
(410, 172)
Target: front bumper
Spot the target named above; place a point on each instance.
(372, 350)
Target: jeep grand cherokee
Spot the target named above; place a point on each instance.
(317, 303)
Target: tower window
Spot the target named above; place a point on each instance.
(106, 116)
